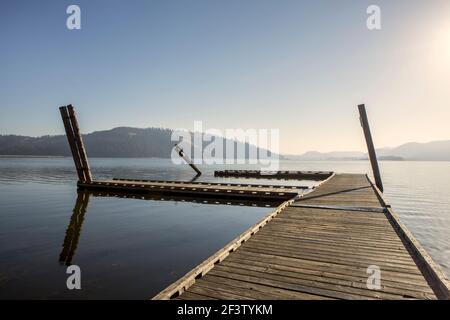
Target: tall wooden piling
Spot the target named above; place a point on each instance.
(80, 144)
(72, 144)
(76, 143)
(370, 146)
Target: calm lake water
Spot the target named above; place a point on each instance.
(132, 249)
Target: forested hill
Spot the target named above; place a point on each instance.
(119, 142)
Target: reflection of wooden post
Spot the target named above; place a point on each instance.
(76, 143)
(370, 146)
(74, 228)
(72, 144)
(80, 144)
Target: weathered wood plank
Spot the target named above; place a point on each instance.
(319, 244)
(326, 275)
(216, 293)
(320, 281)
(298, 175)
(352, 261)
(79, 143)
(321, 247)
(270, 259)
(234, 191)
(258, 291)
(71, 139)
(336, 292)
(193, 296)
(335, 249)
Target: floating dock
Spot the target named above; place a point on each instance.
(196, 189)
(337, 240)
(298, 175)
(323, 245)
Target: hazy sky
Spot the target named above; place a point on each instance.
(300, 66)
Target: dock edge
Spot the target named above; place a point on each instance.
(432, 272)
(182, 284)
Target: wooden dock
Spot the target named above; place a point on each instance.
(196, 189)
(340, 241)
(298, 175)
(322, 245)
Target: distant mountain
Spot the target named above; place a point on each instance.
(335, 155)
(118, 142)
(130, 142)
(430, 151)
(123, 142)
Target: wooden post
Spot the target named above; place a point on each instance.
(186, 158)
(72, 144)
(76, 143)
(79, 143)
(370, 146)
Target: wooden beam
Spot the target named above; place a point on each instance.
(181, 153)
(72, 144)
(80, 145)
(370, 146)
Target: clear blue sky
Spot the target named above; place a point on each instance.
(300, 66)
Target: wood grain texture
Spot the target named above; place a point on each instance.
(319, 251)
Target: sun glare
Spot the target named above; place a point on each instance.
(439, 47)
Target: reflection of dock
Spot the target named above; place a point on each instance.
(192, 199)
(74, 228)
(319, 246)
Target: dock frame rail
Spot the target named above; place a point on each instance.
(432, 271)
(188, 280)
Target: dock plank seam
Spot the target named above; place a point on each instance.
(332, 243)
(343, 208)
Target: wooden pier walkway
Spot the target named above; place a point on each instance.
(319, 246)
(326, 244)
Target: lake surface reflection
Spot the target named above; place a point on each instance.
(132, 249)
